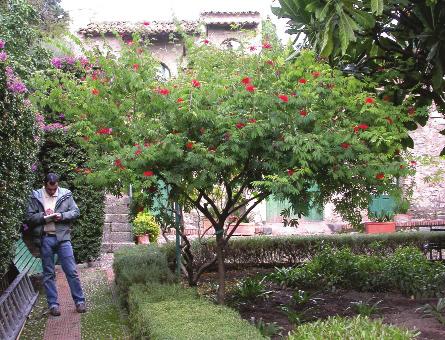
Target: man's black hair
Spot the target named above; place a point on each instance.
(51, 178)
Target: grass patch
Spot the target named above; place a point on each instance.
(35, 325)
(103, 319)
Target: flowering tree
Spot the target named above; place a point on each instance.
(238, 124)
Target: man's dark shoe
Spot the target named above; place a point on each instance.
(80, 308)
(54, 311)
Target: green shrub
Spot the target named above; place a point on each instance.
(145, 223)
(406, 271)
(61, 153)
(172, 312)
(19, 143)
(248, 289)
(140, 264)
(358, 328)
(290, 250)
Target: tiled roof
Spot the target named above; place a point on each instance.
(249, 18)
(156, 28)
(152, 28)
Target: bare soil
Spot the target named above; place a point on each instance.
(394, 308)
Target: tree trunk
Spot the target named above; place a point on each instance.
(221, 269)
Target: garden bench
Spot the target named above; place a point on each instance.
(16, 303)
(435, 247)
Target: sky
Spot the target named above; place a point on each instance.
(83, 12)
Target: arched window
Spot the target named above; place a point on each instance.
(231, 44)
(163, 73)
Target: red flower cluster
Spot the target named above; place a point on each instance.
(267, 45)
(380, 176)
(369, 100)
(283, 98)
(246, 80)
(303, 113)
(252, 120)
(290, 172)
(240, 125)
(360, 127)
(269, 62)
(250, 88)
(345, 145)
(148, 173)
(164, 92)
(315, 74)
(136, 67)
(105, 131)
(189, 145)
(206, 41)
(146, 23)
(302, 81)
(196, 83)
(95, 92)
(179, 100)
(118, 163)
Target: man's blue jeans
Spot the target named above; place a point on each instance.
(64, 251)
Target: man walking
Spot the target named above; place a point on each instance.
(51, 211)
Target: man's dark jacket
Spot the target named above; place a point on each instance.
(65, 205)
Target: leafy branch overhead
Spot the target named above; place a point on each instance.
(400, 44)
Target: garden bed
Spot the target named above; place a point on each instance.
(394, 308)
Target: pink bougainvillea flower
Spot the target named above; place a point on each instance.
(345, 145)
(146, 23)
(2, 43)
(95, 92)
(130, 42)
(189, 145)
(138, 152)
(413, 163)
(302, 81)
(252, 120)
(389, 120)
(252, 48)
(315, 74)
(240, 125)
(290, 172)
(3, 56)
(206, 41)
(196, 83)
(164, 92)
(148, 173)
(380, 176)
(246, 80)
(105, 131)
(179, 100)
(283, 98)
(267, 45)
(369, 100)
(250, 88)
(303, 113)
(135, 67)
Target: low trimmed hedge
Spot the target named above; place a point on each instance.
(140, 264)
(290, 250)
(173, 312)
(358, 328)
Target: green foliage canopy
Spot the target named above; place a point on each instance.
(400, 44)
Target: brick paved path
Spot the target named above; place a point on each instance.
(66, 326)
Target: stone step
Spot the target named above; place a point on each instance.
(120, 236)
(110, 247)
(120, 218)
(115, 227)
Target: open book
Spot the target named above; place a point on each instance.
(50, 218)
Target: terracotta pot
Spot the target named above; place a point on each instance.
(380, 227)
(143, 239)
(402, 217)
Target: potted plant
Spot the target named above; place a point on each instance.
(145, 228)
(401, 211)
(381, 222)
